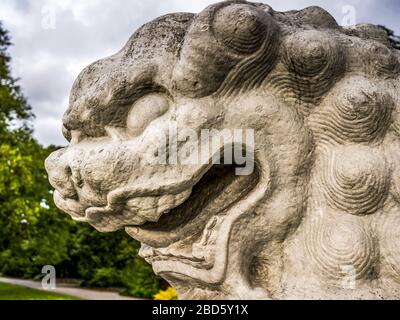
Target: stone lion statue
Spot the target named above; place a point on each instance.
(316, 217)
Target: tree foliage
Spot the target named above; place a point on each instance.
(13, 104)
(33, 232)
(393, 39)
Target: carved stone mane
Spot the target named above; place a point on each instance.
(317, 217)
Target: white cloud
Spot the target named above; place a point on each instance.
(48, 60)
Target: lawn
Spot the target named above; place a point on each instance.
(13, 292)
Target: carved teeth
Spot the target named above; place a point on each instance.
(151, 208)
(170, 251)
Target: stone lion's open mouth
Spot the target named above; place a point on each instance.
(212, 195)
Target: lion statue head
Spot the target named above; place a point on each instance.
(253, 153)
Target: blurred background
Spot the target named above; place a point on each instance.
(43, 47)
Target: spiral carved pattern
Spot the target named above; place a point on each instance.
(336, 244)
(313, 62)
(354, 179)
(390, 242)
(230, 47)
(395, 188)
(361, 113)
(382, 61)
(392, 153)
(396, 123)
(241, 28)
(253, 34)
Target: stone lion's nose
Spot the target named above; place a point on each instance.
(59, 173)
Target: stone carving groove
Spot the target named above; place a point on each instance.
(354, 179)
(334, 244)
(318, 215)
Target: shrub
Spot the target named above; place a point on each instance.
(105, 277)
(140, 280)
(33, 232)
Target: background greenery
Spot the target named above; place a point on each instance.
(33, 232)
(12, 292)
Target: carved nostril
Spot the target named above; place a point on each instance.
(63, 182)
(59, 173)
(68, 171)
(64, 186)
(76, 178)
(66, 133)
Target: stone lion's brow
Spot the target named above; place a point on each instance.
(135, 91)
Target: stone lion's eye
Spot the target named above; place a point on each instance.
(145, 110)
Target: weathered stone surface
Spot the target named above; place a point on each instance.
(319, 215)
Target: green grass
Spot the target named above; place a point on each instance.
(13, 292)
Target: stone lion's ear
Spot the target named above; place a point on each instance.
(223, 37)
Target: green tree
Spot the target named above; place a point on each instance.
(33, 232)
(26, 243)
(13, 105)
(111, 260)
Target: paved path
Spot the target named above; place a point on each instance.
(86, 294)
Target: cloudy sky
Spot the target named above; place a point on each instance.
(54, 39)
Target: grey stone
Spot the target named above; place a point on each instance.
(317, 218)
